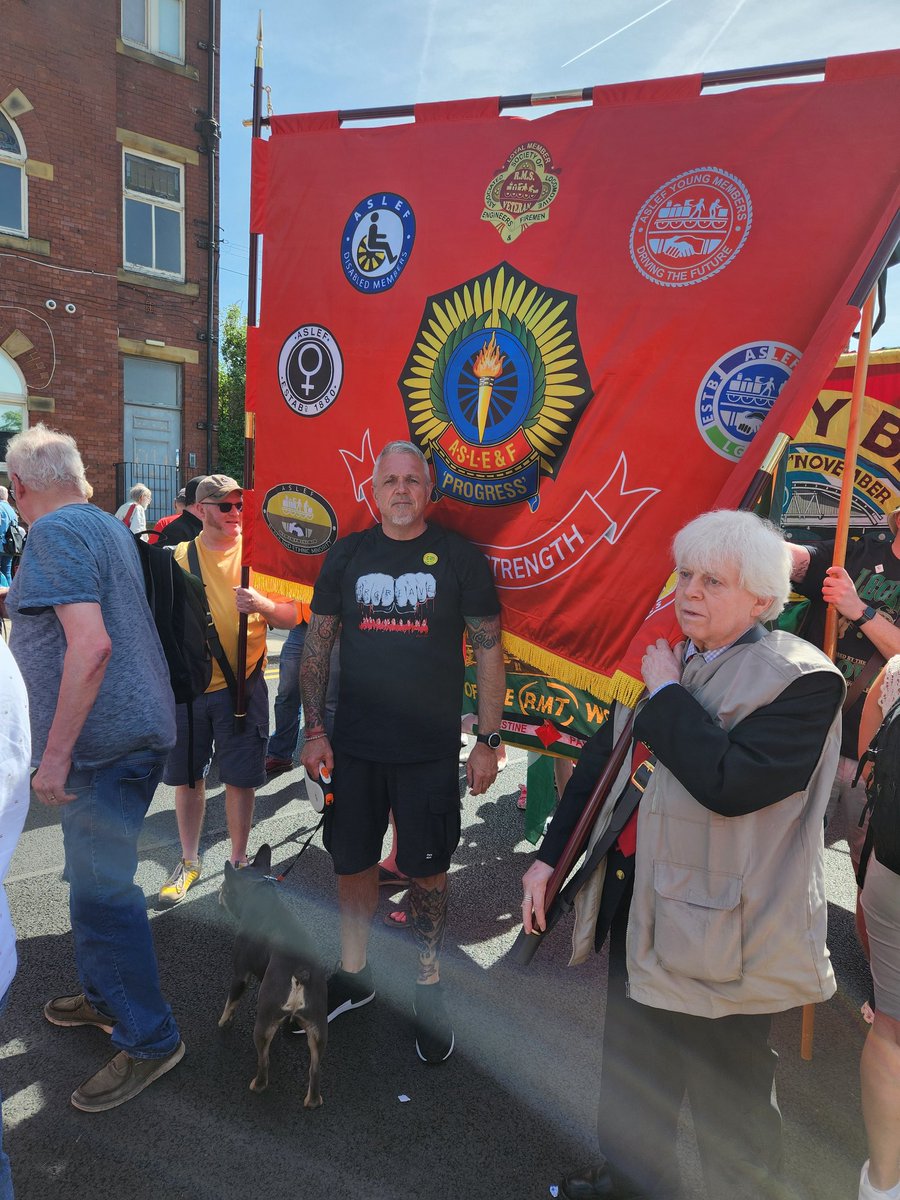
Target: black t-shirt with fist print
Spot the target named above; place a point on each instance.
(402, 606)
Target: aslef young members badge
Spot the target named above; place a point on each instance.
(691, 228)
(494, 387)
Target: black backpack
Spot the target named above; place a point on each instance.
(177, 601)
(13, 541)
(883, 796)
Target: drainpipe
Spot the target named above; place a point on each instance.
(209, 128)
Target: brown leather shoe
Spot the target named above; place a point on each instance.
(122, 1079)
(69, 1011)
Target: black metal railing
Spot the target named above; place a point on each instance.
(162, 481)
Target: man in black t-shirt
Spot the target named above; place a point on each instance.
(401, 594)
(866, 594)
(189, 524)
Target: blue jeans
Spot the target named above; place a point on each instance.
(6, 1187)
(114, 951)
(283, 742)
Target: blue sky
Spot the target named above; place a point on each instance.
(352, 54)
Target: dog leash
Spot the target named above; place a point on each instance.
(284, 874)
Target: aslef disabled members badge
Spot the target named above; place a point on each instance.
(494, 387)
(377, 241)
(691, 228)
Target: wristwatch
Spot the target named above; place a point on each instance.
(867, 614)
(494, 740)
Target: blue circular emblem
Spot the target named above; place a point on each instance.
(488, 386)
(738, 391)
(377, 242)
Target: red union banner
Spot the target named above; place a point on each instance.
(593, 325)
(815, 462)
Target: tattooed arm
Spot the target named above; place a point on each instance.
(320, 638)
(484, 634)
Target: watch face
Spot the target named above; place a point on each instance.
(494, 740)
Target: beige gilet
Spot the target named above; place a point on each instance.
(729, 913)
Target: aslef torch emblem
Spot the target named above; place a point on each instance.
(494, 387)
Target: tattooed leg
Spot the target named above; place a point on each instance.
(428, 917)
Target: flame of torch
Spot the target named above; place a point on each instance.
(486, 367)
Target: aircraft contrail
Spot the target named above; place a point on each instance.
(610, 36)
(740, 4)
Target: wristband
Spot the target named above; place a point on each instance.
(314, 737)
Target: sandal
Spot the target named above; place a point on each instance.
(393, 879)
(398, 919)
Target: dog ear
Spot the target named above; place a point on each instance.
(263, 859)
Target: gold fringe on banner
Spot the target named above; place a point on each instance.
(282, 587)
(617, 687)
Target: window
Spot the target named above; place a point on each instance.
(154, 215)
(148, 381)
(155, 25)
(13, 186)
(13, 411)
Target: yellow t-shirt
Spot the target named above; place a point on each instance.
(221, 575)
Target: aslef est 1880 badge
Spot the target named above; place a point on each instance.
(494, 387)
(310, 370)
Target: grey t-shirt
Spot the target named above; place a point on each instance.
(75, 555)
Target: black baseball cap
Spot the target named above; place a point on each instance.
(190, 489)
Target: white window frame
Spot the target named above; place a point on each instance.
(14, 400)
(152, 201)
(151, 25)
(17, 160)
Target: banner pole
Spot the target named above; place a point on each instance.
(769, 73)
(240, 700)
(807, 1024)
(525, 945)
(849, 476)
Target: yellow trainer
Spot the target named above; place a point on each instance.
(185, 875)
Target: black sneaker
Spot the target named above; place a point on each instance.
(434, 1034)
(346, 990)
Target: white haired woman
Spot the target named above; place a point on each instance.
(134, 511)
(880, 1065)
(727, 918)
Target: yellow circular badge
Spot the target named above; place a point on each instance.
(429, 559)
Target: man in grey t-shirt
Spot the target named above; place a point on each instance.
(102, 721)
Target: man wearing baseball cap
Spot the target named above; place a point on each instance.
(215, 556)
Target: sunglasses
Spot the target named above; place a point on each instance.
(225, 506)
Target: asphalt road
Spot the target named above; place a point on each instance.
(503, 1118)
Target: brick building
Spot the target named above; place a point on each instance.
(108, 254)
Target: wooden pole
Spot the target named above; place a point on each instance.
(807, 1026)
(240, 702)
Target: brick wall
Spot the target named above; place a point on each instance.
(64, 58)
